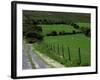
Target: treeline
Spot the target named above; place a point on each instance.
(85, 30)
(50, 21)
(54, 33)
(31, 31)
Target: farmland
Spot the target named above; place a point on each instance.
(52, 46)
(57, 28)
(63, 37)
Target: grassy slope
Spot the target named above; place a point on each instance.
(57, 28)
(72, 41)
(84, 24)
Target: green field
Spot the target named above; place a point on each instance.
(84, 24)
(65, 48)
(57, 28)
(70, 43)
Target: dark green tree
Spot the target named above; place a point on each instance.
(31, 31)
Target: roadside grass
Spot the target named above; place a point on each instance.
(31, 62)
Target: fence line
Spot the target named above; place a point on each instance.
(59, 51)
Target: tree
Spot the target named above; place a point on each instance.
(54, 33)
(31, 31)
(74, 31)
(86, 31)
(76, 26)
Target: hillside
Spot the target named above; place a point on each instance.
(58, 16)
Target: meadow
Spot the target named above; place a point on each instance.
(69, 50)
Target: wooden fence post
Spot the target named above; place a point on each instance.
(58, 48)
(79, 56)
(50, 46)
(62, 51)
(54, 47)
(69, 57)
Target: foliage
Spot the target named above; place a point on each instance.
(86, 31)
(31, 31)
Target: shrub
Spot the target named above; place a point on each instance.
(76, 26)
(54, 33)
(86, 31)
(74, 31)
(62, 33)
(34, 36)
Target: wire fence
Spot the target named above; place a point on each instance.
(62, 53)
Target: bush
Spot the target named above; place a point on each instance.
(76, 26)
(34, 36)
(54, 33)
(62, 33)
(86, 31)
(39, 29)
(74, 31)
(30, 34)
(48, 34)
(72, 24)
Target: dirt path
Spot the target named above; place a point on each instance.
(25, 61)
(31, 58)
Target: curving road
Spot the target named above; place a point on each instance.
(38, 62)
(25, 61)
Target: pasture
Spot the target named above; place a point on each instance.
(84, 24)
(57, 28)
(69, 50)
